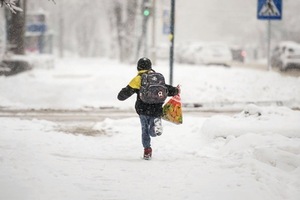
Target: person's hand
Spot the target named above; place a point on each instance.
(179, 90)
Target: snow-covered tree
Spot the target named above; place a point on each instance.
(16, 27)
(11, 5)
(103, 28)
(122, 18)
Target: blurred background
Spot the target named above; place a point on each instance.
(127, 29)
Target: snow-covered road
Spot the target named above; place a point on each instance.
(47, 160)
(253, 153)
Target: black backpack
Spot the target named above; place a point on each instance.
(153, 88)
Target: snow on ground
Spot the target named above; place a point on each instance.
(253, 154)
(191, 161)
(75, 83)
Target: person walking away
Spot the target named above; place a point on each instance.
(148, 108)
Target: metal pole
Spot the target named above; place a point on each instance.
(143, 37)
(153, 32)
(145, 33)
(145, 40)
(172, 27)
(269, 45)
(61, 30)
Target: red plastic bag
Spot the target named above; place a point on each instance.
(172, 110)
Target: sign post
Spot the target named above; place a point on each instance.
(171, 37)
(2, 35)
(269, 10)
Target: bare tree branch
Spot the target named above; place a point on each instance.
(52, 1)
(11, 5)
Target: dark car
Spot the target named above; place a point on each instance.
(286, 55)
(238, 54)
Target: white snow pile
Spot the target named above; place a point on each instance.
(270, 135)
(254, 119)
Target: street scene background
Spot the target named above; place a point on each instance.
(64, 135)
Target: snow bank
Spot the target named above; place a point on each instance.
(254, 119)
(266, 139)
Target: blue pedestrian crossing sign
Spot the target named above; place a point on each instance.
(269, 9)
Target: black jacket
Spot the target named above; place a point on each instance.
(142, 108)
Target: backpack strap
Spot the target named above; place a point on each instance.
(146, 71)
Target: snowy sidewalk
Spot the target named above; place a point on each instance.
(190, 161)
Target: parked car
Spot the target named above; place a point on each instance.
(190, 54)
(183, 52)
(238, 54)
(213, 54)
(286, 55)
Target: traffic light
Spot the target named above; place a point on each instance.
(147, 8)
(146, 11)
